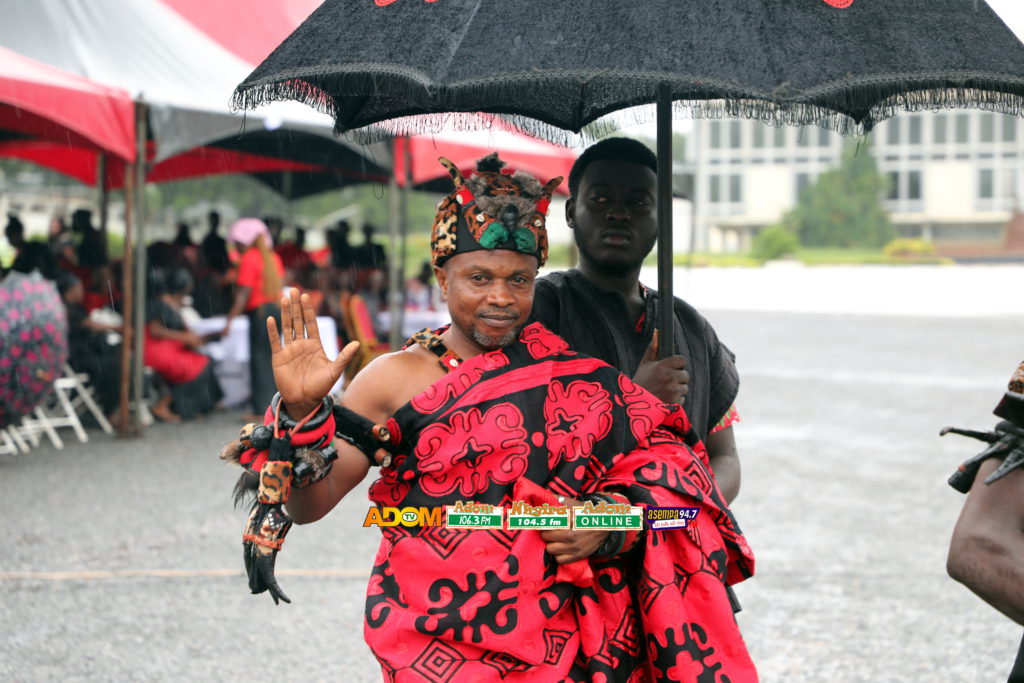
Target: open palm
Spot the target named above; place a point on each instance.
(302, 371)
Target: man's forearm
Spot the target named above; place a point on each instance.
(725, 462)
(987, 550)
(988, 567)
(311, 503)
(238, 305)
(726, 469)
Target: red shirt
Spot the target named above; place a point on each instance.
(250, 274)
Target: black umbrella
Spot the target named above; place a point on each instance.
(345, 163)
(845, 64)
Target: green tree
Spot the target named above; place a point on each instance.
(844, 207)
(775, 242)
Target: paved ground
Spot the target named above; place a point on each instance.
(121, 559)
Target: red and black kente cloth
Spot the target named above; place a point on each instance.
(530, 422)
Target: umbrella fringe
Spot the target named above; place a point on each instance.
(824, 113)
(301, 91)
(432, 124)
(821, 108)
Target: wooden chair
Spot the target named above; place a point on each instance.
(359, 326)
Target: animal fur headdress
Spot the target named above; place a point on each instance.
(495, 208)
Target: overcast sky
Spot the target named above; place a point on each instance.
(1012, 13)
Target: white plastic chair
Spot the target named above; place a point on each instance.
(83, 396)
(31, 427)
(71, 394)
(11, 442)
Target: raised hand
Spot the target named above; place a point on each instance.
(302, 371)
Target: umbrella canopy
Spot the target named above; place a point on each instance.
(847, 64)
(33, 343)
(43, 102)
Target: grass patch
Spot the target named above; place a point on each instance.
(839, 257)
(834, 256)
(808, 257)
(704, 260)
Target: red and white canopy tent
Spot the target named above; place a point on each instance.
(463, 148)
(185, 79)
(180, 122)
(40, 102)
(248, 34)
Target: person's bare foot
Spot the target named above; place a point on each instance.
(165, 414)
(115, 420)
(162, 411)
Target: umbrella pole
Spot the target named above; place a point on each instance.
(666, 309)
(406, 190)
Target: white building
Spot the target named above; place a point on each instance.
(955, 176)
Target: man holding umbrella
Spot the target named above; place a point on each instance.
(601, 309)
(489, 412)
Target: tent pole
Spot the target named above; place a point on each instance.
(140, 262)
(394, 295)
(123, 427)
(286, 190)
(666, 309)
(102, 197)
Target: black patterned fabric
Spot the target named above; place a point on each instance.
(603, 333)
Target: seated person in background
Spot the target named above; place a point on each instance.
(371, 264)
(211, 295)
(62, 245)
(308, 281)
(35, 256)
(92, 247)
(103, 290)
(293, 254)
(182, 238)
(419, 291)
(213, 251)
(171, 350)
(15, 233)
(342, 253)
(89, 346)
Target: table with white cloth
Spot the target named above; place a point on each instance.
(231, 353)
(415, 320)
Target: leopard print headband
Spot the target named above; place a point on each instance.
(496, 208)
